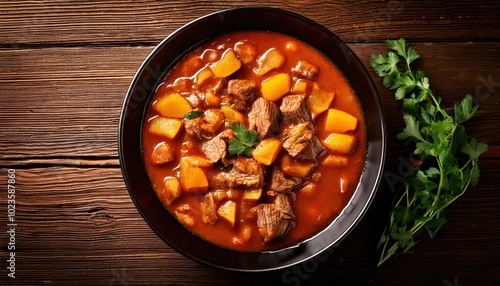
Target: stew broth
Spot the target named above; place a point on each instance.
(202, 79)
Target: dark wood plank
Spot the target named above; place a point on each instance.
(65, 102)
(102, 22)
(74, 219)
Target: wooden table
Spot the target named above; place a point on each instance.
(65, 67)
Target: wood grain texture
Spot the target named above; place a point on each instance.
(73, 219)
(66, 102)
(65, 67)
(145, 21)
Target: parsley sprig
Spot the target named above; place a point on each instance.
(451, 157)
(244, 141)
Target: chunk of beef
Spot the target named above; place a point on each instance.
(204, 127)
(306, 70)
(242, 92)
(301, 142)
(281, 183)
(245, 173)
(214, 149)
(199, 128)
(276, 219)
(209, 209)
(263, 117)
(294, 110)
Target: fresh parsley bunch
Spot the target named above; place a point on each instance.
(439, 138)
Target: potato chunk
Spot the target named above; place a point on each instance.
(246, 51)
(168, 127)
(203, 75)
(162, 153)
(300, 86)
(319, 100)
(271, 59)
(274, 87)
(252, 195)
(196, 161)
(227, 211)
(339, 121)
(334, 160)
(173, 105)
(309, 189)
(232, 115)
(171, 191)
(341, 143)
(244, 235)
(227, 65)
(192, 178)
(184, 215)
(295, 168)
(267, 150)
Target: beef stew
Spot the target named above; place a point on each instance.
(301, 169)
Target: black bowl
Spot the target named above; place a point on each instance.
(165, 55)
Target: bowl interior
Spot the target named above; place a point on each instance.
(165, 55)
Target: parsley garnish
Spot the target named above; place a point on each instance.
(244, 141)
(193, 114)
(439, 138)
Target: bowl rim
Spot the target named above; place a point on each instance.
(277, 259)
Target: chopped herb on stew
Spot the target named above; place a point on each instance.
(193, 114)
(244, 141)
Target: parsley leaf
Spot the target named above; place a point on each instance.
(465, 109)
(244, 141)
(438, 138)
(403, 48)
(474, 149)
(193, 114)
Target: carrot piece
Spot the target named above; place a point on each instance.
(267, 150)
(173, 105)
(295, 168)
(227, 65)
(168, 127)
(341, 143)
(274, 87)
(339, 121)
(334, 160)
